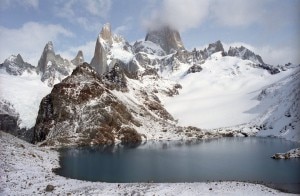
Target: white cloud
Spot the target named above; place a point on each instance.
(85, 13)
(98, 7)
(238, 13)
(29, 40)
(179, 14)
(4, 4)
(125, 27)
(187, 14)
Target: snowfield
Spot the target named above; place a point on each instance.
(222, 94)
(26, 169)
(25, 93)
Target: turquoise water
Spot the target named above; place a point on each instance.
(239, 159)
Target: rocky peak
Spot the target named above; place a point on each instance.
(79, 59)
(245, 54)
(106, 33)
(14, 59)
(49, 47)
(207, 52)
(52, 67)
(215, 47)
(167, 38)
(15, 65)
(99, 60)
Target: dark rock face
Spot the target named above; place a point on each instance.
(129, 69)
(52, 66)
(79, 59)
(215, 47)
(9, 122)
(15, 65)
(115, 78)
(82, 111)
(168, 39)
(195, 68)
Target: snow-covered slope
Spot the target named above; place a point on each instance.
(25, 93)
(221, 95)
(280, 108)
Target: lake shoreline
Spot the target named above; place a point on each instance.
(27, 169)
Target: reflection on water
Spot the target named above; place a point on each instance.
(241, 159)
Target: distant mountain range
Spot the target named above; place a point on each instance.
(153, 89)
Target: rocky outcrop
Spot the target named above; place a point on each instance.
(194, 69)
(99, 61)
(79, 59)
(15, 65)
(167, 38)
(104, 41)
(9, 122)
(52, 67)
(207, 52)
(81, 110)
(294, 153)
(245, 54)
(106, 33)
(115, 78)
(129, 69)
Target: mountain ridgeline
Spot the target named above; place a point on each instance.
(117, 97)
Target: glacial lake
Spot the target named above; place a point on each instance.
(225, 159)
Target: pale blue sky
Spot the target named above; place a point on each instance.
(269, 27)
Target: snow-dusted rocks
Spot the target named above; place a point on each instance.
(167, 38)
(82, 111)
(79, 59)
(207, 52)
(109, 49)
(15, 65)
(245, 54)
(52, 67)
(280, 106)
(294, 153)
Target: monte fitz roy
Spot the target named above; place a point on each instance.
(148, 90)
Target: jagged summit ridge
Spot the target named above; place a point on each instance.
(15, 65)
(245, 54)
(167, 38)
(52, 67)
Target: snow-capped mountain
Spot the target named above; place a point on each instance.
(22, 86)
(52, 67)
(129, 89)
(15, 65)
